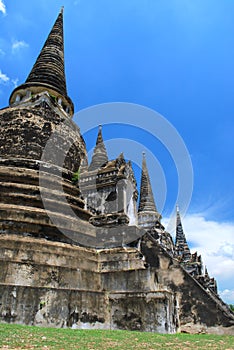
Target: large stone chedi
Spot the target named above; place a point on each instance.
(75, 250)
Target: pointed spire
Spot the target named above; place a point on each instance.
(121, 156)
(48, 73)
(99, 154)
(147, 202)
(49, 66)
(181, 245)
(147, 211)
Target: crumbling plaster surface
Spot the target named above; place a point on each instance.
(56, 284)
(62, 285)
(196, 306)
(27, 129)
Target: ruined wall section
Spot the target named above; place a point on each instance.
(198, 309)
(61, 285)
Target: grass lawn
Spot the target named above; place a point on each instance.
(24, 337)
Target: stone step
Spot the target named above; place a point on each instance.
(31, 178)
(25, 192)
(37, 222)
(35, 201)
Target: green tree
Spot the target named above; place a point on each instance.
(76, 176)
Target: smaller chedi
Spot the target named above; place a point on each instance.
(76, 249)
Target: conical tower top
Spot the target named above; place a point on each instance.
(48, 72)
(99, 137)
(147, 211)
(181, 245)
(147, 202)
(99, 154)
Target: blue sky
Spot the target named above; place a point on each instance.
(173, 56)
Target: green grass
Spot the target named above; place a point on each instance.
(24, 337)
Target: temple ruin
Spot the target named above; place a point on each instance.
(76, 249)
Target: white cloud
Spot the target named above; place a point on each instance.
(17, 45)
(2, 7)
(227, 295)
(215, 242)
(15, 82)
(3, 78)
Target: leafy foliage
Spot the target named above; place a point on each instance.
(76, 176)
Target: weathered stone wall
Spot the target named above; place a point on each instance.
(151, 312)
(25, 132)
(198, 308)
(87, 309)
(61, 285)
(56, 284)
(37, 195)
